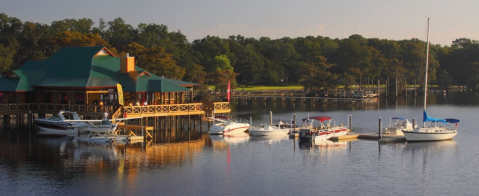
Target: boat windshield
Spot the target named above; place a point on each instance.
(105, 122)
(55, 117)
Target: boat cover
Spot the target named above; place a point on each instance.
(431, 119)
(398, 118)
(319, 118)
(451, 120)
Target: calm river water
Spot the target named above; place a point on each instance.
(207, 165)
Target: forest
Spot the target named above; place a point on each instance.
(316, 62)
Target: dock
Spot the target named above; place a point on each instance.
(386, 138)
(135, 132)
(350, 135)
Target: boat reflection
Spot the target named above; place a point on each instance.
(224, 140)
(430, 145)
(270, 138)
(326, 145)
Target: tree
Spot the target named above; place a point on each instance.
(72, 39)
(155, 60)
(6, 58)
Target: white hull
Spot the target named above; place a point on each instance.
(429, 134)
(268, 131)
(232, 129)
(328, 134)
(60, 132)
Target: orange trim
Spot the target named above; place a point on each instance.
(104, 48)
(144, 72)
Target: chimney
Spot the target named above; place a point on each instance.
(127, 63)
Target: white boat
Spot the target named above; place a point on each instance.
(61, 124)
(431, 132)
(400, 124)
(222, 125)
(269, 130)
(57, 124)
(323, 132)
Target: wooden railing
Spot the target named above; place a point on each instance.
(153, 110)
(192, 108)
(49, 107)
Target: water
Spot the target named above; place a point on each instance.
(208, 165)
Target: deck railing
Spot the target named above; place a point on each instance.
(195, 108)
(175, 109)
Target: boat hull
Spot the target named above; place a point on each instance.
(417, 136)
(269, 132)
(228, 130)
(56, 128)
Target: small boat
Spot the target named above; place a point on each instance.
(431, 132)
(400, 124)
(323, 132)
(57, 124)
(224, 126)
(268, 130)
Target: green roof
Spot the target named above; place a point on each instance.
(82, 67)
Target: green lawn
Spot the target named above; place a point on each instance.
(254, 87)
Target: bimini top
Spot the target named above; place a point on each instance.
(319, 118)
(398, 118)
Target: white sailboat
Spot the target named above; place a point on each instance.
(432, 132)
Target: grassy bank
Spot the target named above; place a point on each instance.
(255, 87)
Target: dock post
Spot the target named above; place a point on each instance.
(380, 133)
(350, 125)
(294, 123)
(143, 133)
(270, 118)
(29, 119)
(413, 123)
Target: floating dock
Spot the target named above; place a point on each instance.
(350, 135)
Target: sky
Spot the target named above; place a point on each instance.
(383, 19)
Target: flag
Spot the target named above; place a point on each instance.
(120, 94)
(228, 91)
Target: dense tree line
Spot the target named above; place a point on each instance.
(314, 61)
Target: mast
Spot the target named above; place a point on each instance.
(427, 63)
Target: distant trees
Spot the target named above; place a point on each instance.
(316, 62)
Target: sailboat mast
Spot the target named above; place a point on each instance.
(427, 63)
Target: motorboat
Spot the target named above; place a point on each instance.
(431, 131)
(57, 124)
(307, 132)
(222, 125)
(269, 130)
(69, 123)
(398, 126)
(281, 128)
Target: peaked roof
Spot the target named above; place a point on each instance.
(86, 67)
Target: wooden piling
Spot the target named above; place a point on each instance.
(380, 132)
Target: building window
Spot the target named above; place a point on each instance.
(30, 97)
(12, 97)
(80, 98)
(62, 98)
(47, 97)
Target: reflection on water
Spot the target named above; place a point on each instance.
(220, 140)
(431, 146)
(194, 163)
